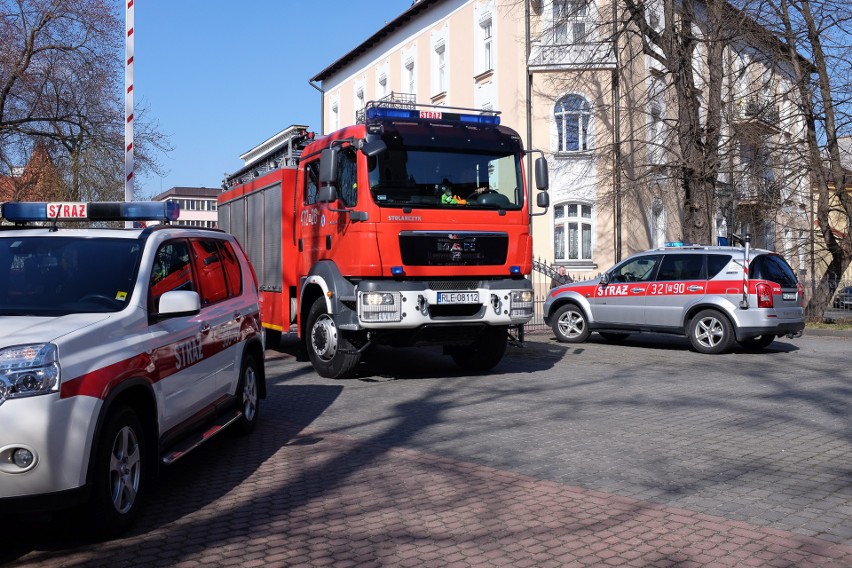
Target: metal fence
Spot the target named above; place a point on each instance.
(543, 275)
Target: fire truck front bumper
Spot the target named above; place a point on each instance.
(390, 304)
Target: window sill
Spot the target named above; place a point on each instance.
(577, 264)
(439, 98)
(484, 76)
(574, 154)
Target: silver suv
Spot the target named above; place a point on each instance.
(121, 350)
(702, 292)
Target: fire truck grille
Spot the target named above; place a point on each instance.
(443, 248)
(454, 285)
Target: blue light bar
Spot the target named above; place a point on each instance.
(674, 244)
(23, 212)
(391, 113)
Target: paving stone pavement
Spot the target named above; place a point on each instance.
(306, 492)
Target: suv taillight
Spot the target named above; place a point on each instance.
(800, 295)
(764, 295)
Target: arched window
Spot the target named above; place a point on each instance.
(573, 118)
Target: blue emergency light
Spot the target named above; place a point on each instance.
(23, 212)
(514, 269)
(391, 113)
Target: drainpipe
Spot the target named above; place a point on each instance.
(528, 105)
(616, 170)
(322, 105)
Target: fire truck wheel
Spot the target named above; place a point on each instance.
(121, 472)
(484, 353)
(570, 325)
(710, 332)
(330, 353)
(248, 393)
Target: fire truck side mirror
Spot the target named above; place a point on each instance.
(543, 200)
(373, 147)
(328, 167)
(542, 178)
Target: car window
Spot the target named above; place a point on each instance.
(639, 269)
(681, 267)
(172, 271)
(716, 263)
(233, 273)
(775, 269)
(211, 272)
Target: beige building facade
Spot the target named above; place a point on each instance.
(549, 67)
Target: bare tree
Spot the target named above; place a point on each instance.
(820, 29)
(59, 75)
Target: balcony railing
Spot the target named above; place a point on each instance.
(593, 55)
(759, 112)
(757, 190)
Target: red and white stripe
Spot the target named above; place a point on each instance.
(128, 104)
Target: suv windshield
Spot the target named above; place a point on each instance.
(469, 168)
(55, 276)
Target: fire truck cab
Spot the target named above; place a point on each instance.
(409, 228)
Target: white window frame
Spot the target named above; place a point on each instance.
(562, 118)
(440, 62)
(570, 247)
(572, 22)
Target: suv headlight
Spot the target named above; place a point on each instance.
(28, 370)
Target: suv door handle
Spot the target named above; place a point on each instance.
(205, 328)
(694, 288)
(637, 290)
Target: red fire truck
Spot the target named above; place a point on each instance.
(411, 227)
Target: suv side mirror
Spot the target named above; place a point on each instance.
(179, 303)
(604, 279)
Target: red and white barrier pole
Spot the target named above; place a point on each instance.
(128, 104)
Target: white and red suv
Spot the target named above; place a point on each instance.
(120, 351)
(714, 295)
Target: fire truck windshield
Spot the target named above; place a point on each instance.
(447, 167)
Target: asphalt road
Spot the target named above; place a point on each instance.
(639, 454)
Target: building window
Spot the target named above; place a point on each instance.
(441, 67)
(573, 117)
(570, 19)
(487, 45)
(382, 87)
(572, 232)
(655, 125)
(411, 77)
(359, 98)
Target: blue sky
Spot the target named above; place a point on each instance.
(221, 76)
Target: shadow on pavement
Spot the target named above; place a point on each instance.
(196, 481)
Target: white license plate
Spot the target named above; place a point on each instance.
(458, 297)
(788, 296)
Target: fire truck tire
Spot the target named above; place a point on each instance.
(120, 478)
(570, 324)
(248, 394)
(329, 352)
(710, 332)
(484, 353)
